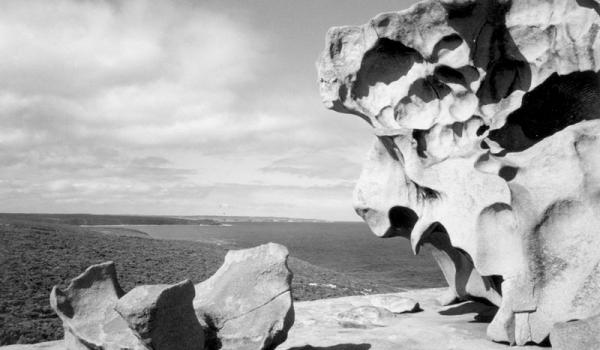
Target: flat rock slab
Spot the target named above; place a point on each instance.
(460, 326)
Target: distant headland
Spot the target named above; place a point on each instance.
(225, 218)
(105, 219)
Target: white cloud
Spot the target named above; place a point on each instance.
(148, 106)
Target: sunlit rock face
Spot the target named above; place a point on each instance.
(488, 150)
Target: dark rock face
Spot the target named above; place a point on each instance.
(162, 316)
(488, 133)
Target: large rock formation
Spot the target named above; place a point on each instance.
(245, 305)
(486, 116)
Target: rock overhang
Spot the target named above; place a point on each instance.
(485, 114)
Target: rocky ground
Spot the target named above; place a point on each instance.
(36, 256)
(435, 327)
(317, 326)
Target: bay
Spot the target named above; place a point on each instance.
(347, 247)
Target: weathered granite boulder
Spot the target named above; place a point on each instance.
(486, 117)
(86, 309)
(247, 303)
(576, 335)
(162, 316)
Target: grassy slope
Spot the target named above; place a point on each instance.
(35, 256)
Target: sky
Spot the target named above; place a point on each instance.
(175, 108)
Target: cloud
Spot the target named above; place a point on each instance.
(148, 106)
(147, 69)
(87, 86)
(89, 46)
(318, 165)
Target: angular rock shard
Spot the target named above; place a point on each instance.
(86, 309)
(162, 316)
(247, 303)
(488, 133)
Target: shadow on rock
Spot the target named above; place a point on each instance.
(484, 313)
(363, 346)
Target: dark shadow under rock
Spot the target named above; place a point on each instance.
(484, 313)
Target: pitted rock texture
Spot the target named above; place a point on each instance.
(247, 303)
(487, 150)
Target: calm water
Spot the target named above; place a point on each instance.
(344, 247)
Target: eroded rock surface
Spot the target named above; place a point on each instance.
(486, 117)
(247, 303)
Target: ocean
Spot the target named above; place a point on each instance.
(346, 247)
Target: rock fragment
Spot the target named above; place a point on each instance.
(163, 317)
(365, 316)
(86, 309)
(396, 303)
(247, 303)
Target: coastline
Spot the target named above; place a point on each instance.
(38, 256)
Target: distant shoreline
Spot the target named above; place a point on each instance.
(127, 219)
(38, 255)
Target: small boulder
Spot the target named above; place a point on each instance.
(396, 304)
(247, 303)
(162, 316)
(86, 309)
(365, 317)
(576, 335)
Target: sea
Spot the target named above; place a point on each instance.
(345, 247)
